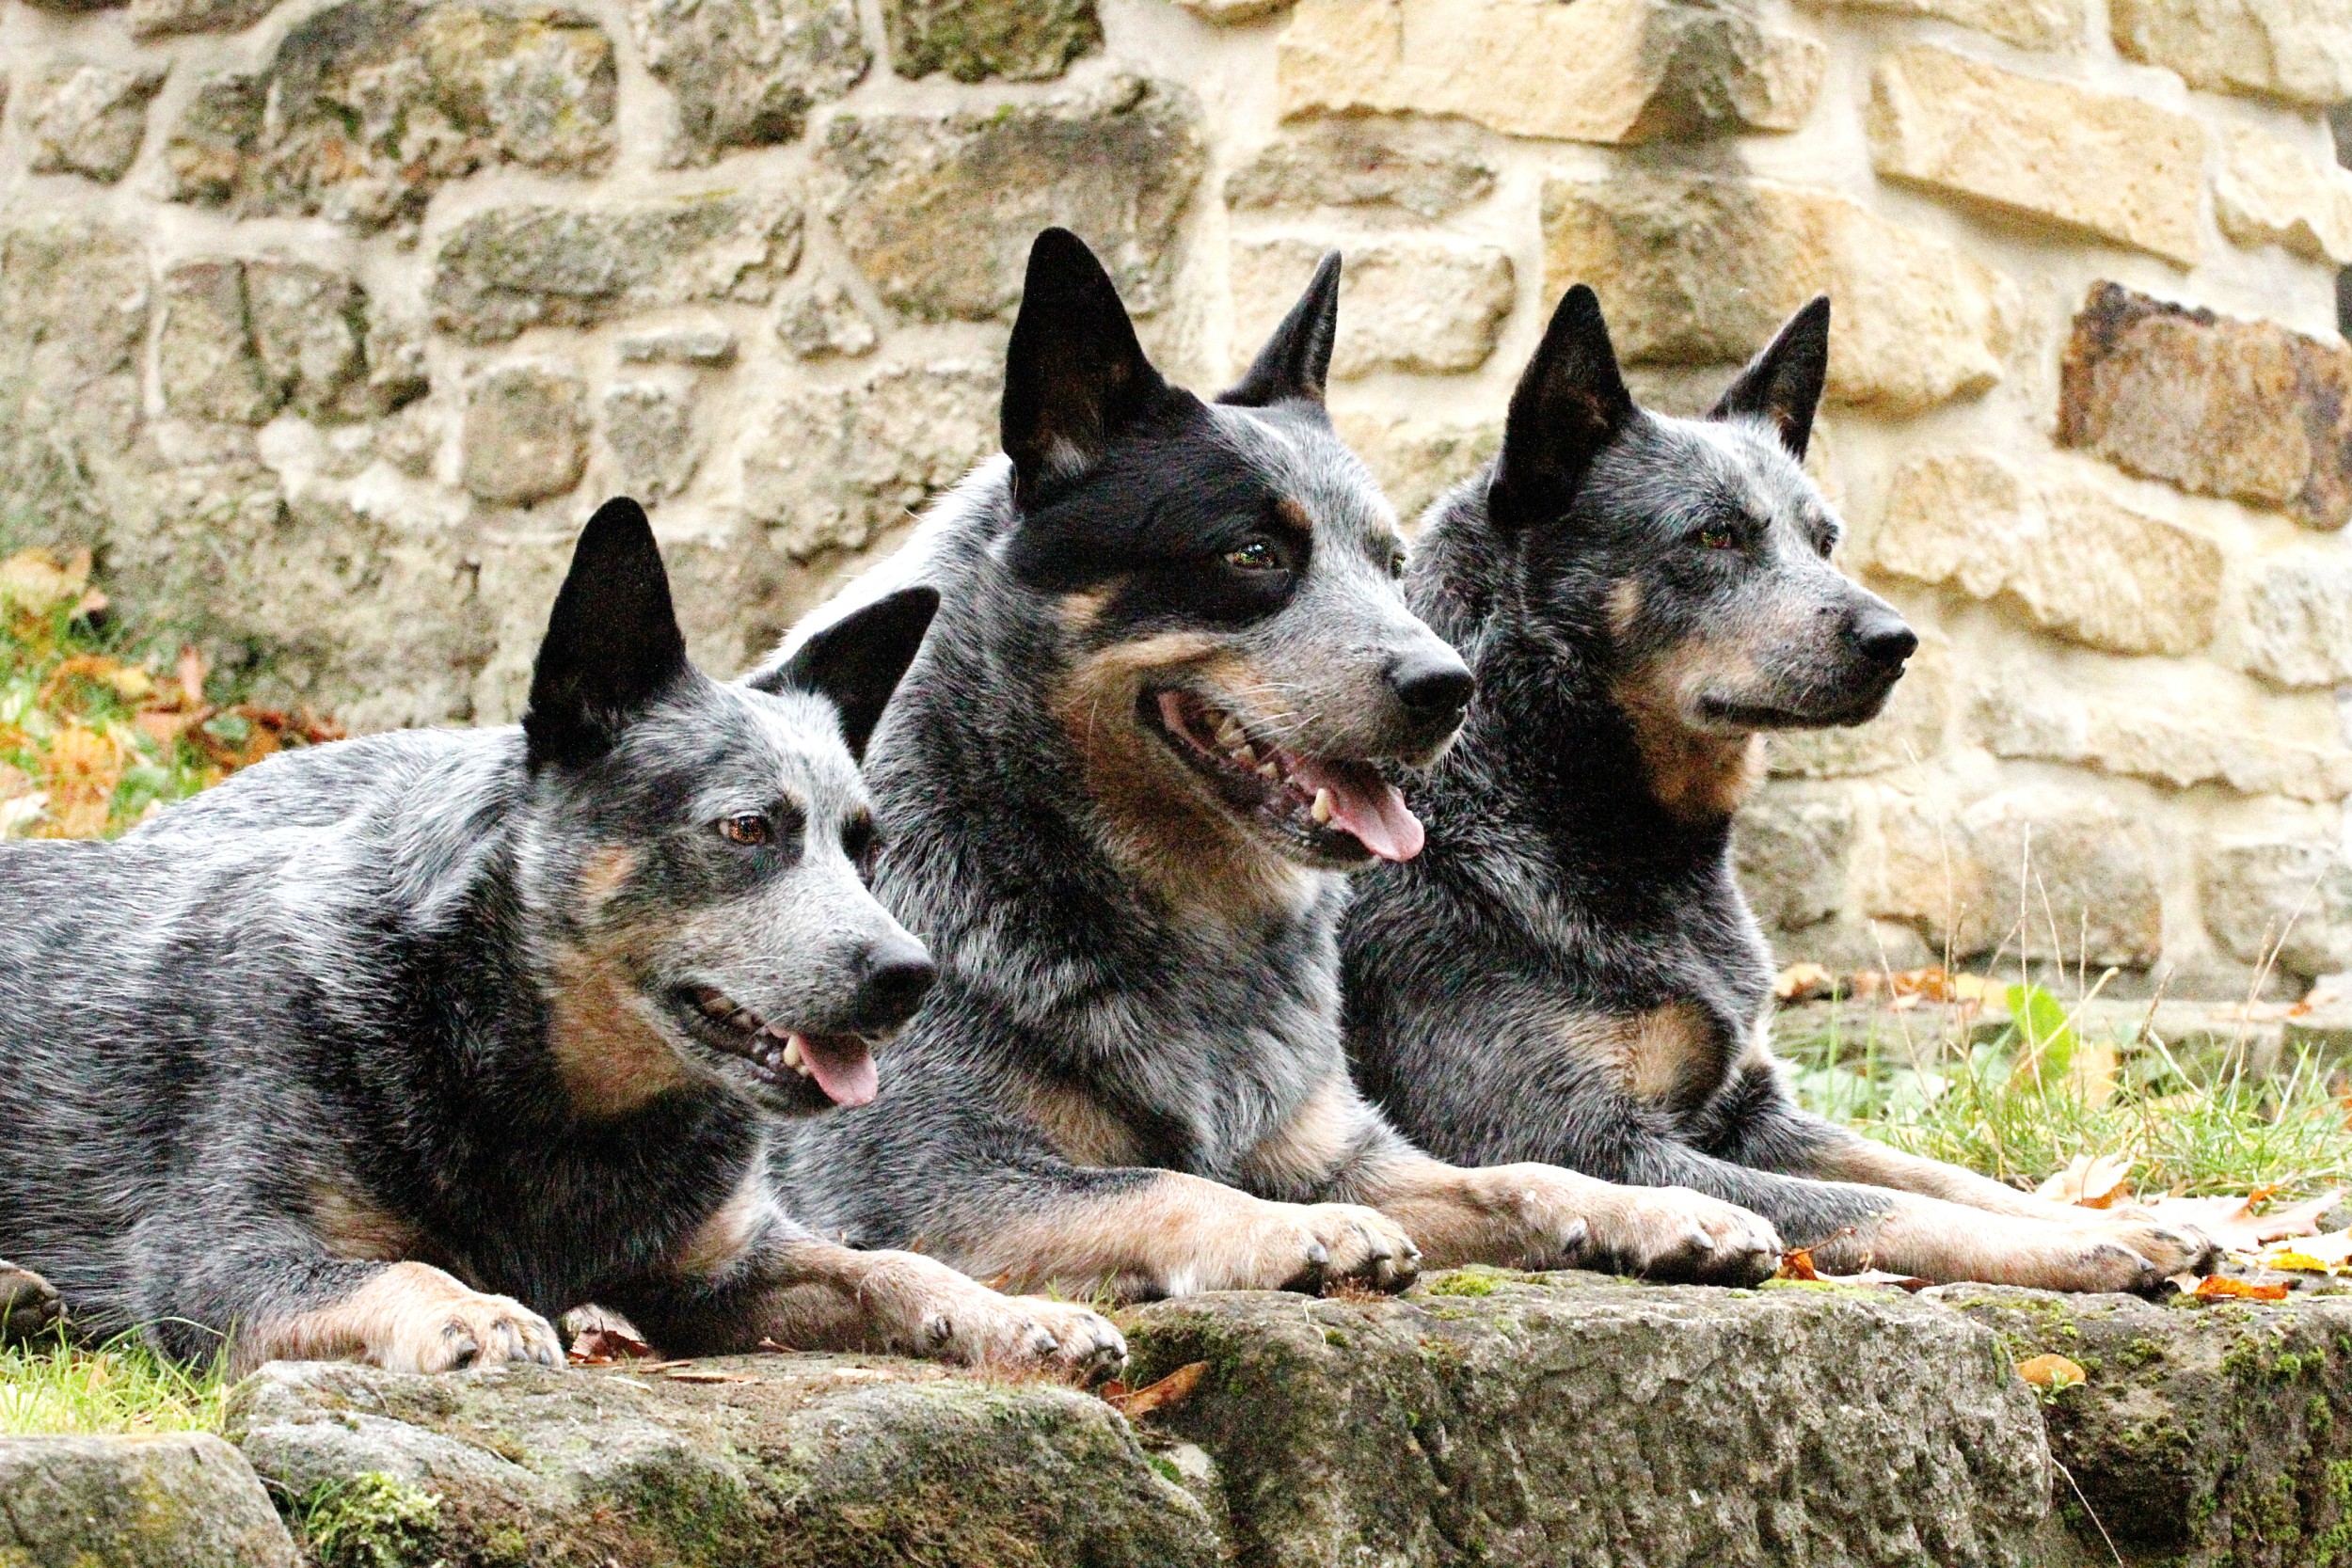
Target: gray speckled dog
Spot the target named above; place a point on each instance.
(395, 1047)
(1123, 785)
(1568, 972)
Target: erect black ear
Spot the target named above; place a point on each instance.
(613, 642)
(1784, 383)
(1074, 376)
(856, 663)
(1568, 405)
(1297, 361)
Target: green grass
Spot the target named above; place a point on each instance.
(52, 1387)
(2192, 1126)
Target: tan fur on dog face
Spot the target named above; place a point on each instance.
(1696, 775)
(610, 1056)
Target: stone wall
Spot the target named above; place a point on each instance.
(328, 322)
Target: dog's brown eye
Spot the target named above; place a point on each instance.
(1256, 555)
(1716, 538)
(750, 828)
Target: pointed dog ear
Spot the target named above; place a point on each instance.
(1783, 385)
(856, 663)
(613, 644)
(1074, 376)
(1568, 405)
(1297, 361)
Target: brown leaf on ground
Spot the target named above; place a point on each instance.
(1803, 983)
(2089, 1182)
(605, 1347)
(81, 772)
(2217, 1287)
(2050, 1372)
(2232, 1221)
(1797, 1263)
(1174, 1389)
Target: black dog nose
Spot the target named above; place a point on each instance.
(1432, 688)
(1883, 637)
(898, 976)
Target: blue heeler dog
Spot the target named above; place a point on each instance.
(1123, 786)
(1568, 971)
(394, 1049)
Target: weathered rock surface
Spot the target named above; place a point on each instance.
(2267, 190)
(2297, 628)
(1792, 842)
(1417, 460)
(2167, 737)
(2026, 23)
(747, 73)
(938, 211)
(508, 268)
(1570, 1418)
(2106, 163)
(242, 339)
(366, 108)
(972, 41)
(73, 317)
(2244, 409)
(650, 427)
(819, 318)
(2298, 50)
(2290, 898)
(786, 1460)
(1600, 70)
(86, 119)
(1703, 270)
(525, 436)
(1424, 305)
(2079, 565)
(152, 19)
(1427, 168)
(2204, 1434)
(180, 1502)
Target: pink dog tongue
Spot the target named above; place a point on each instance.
(1367, 805)
(843, 1068)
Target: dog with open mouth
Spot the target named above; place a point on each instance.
(1148, 736)
(1569, 971)
(394, 1049)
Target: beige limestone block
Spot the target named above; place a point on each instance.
(1791, 845)
(1405, 304)
(2166, 736)
(2297, 629)
(748, 72)
(2298, 50)
(2244, 409)
(1228, 12)
(86, 119)
(2080, 565)
(1703, 270)
(1425, 168)
(1597, 71)
(2026, 23)
(972, 41)
(525, 436)
(2280, 900)
(1416, 458)
(2101, 162)
(204, 356)
(2267, 190)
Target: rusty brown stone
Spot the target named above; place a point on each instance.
(2248, 411)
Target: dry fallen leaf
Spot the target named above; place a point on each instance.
(2216, 1287)
(2089, 1181)
(2232, 1221)
(680, 1372)
(1174, 1389)
(1802, 982)
(606, 1346)
(2051, 1372)
(1797, 1263)
(2291, 1261)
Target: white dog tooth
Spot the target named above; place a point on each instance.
(1270, 770)
(1230, 734)
(792, 1051)
(1323, 805)
(1246, 755)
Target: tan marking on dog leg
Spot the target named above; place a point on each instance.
(828, 1297)
(611, 1057)
(1081, 1130)
(733, 1229)
(1668, 1055)
(1304, 1153)
(353, 1225)
(405, 1318)
(1537, 1217)
(1176, 1234)
(1946, 1243)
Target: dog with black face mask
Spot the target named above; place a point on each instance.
(1123, 785)
(1568, 972)
(396, 1047)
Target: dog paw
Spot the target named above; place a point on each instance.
(2170, 1248)
(1675, 1233)
(954, 1318)
(1059, 1337)
(28, 1304)
(1306, 1246)
(466, 1329)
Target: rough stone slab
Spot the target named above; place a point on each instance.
(1413, 304)
(366, 108)
(2297, 625)
(649, 426)
(153, 19)
(1567, 1419)
(1417, 460)
(939, 211)
(1600, 70)
(2026, 23)
(2286, 898)
(185, 1501)
(1910, 729)
(86, 119)
(2267, 190)
(2080, 565)
(2244, 409)
(2204, 1434)
(1704, 270)
(2166, 734)
(747, 73)
(1792, 843)
(538, 265)
(2105, 163)
(972, 41)
(1427, 168)
(804, 1460)
(525, 435)
(74, 300)
(2298, 50)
